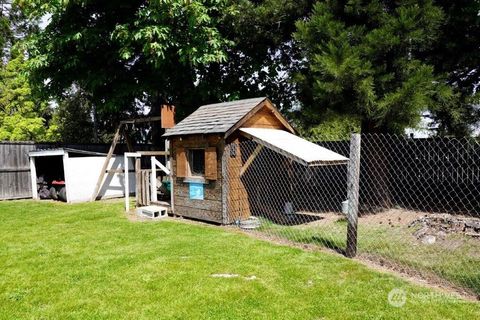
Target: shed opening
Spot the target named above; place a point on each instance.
(50, 178)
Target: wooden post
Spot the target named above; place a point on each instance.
(128, 141)
(138, 182)
(169, 163)
(126, 181)
(153, 179)
(146, 188)
(167, 158)
(33, 175)
(66, 171)
(353, 188)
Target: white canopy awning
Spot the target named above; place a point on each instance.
(294, 147)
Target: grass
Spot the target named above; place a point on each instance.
(87, 261)
(455, 259)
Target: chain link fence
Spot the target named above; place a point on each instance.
(412, 205)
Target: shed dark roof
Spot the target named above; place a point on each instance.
(214, 118)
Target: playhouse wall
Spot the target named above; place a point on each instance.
(211, 207)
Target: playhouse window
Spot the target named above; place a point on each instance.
(196, 162)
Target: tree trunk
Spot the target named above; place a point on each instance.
(95, 123)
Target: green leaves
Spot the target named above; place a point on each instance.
(22, 116)
(187, 29)
(126, 53)
(19, 128)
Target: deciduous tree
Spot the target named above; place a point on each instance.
(22, 116)
(126, 53)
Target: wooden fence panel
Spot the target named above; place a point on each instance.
(15, 170)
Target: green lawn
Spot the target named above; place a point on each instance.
(88, 261)
(455, 259)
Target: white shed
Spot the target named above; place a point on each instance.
(78, 170)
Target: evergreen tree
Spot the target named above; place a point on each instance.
(364, 59)
(456, 55)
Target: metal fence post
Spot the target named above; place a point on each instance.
(353, 195)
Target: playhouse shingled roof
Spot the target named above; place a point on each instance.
(214, 118)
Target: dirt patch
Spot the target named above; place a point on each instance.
(225, 275)
(133, 217)
(233, 275)
(320, 219)
(392, 217)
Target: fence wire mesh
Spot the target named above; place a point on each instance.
(416, 201)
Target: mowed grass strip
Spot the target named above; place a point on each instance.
(87, 261)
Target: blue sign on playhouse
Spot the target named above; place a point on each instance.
(196, 191)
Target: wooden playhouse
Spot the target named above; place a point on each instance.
(207, 187)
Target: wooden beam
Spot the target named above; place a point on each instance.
(116, 137)
(250, 159)
(161, 166)
(132, 154)
(118, 171)
(141, 120)
(23, 169)
(147, 187)
(152, 153)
